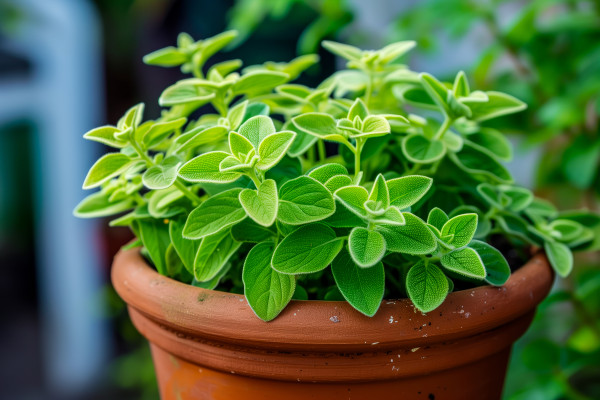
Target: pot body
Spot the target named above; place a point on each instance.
(210, 345)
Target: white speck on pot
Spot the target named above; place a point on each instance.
(467, 314)
(334, 319)
(391, 360)
(473, 293)
(415, 349)
(394, 368)
(294, 314)
(391, 319)
(233, 372)
(461, 312)
(374, 343)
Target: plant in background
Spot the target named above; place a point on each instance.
(251, 199)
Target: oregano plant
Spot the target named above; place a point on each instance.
(380, 182)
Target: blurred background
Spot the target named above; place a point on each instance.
(69, 65)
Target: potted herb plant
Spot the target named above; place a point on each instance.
(317, 204)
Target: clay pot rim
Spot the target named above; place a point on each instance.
(221, 316)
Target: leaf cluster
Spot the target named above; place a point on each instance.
(404, 206)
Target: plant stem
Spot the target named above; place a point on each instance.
(322, 151)
(443, 128)
(178, 184)
(252, 175)
(359, 146)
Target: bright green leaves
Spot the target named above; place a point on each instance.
(188, 54)
(369, 59)
(267, 291)
(465, 262)
(256, 129)
(363, 288)
(261, 205)
(304, 200)
(366, 247)
(213, 253)
(163, 175)
(309, 248)
(273, 148)
(414, 237)
(106, 135)
(107, 167)
(214, 215)
(496, 266)
(498, 104)
(257, 82)
(459, 231)
(560, 257)
(406, 191)
(317, 124)
(206, 168)
(426, 286)
(419, 149)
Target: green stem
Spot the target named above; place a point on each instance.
(359, 146)
(252, 175)
(443, 128)
(178, 184)
(322, 151)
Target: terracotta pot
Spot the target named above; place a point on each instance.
(210, 345)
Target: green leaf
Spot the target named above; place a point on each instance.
(199, 136)
(435, 89)
(414, 237)
(492, 142)
(418, 149)
(261, 205)
(303, 200)
(358, 109)
(273, 148)
(427, 286)
(155, 237)
(183, 93)
(239, 146)
(325, 172)
(337, 182)
(302, 142)
(498, 104)
(366, 247)
(520, 198)
(249, 231)
(391, 216)
(213, 44)
(105, 135)
(173, 263)
(235, 115)
(379, 193)
(205, 168)
(214, 252)
(267, 291)
(107, 167)
(466, 262)
(309, 248)
(214, 215)
(258, 82)
(350, 53)
(480, 164)
(496, 266)
(393, 51)
(256, 129)
(214, 282)
(160, 131)
(560, 257)
(317, 124)
(407, 190)
(98, 205)
(361, 287)
(567, 230)
(163, 175)
(460, 88)
(254, 109)
(437, 217)
(167, 57)
(185, 248)
(459, 231)
(353, 198)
